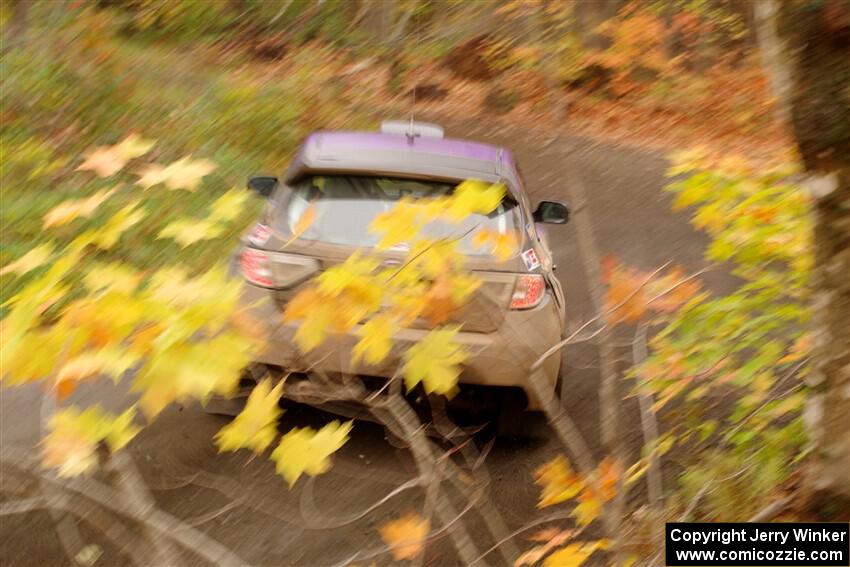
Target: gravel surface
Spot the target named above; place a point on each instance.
(270, 525)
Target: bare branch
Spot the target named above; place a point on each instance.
(190, 538)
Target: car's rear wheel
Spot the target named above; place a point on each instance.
(514, 421)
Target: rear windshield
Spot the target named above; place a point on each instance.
(346, 205)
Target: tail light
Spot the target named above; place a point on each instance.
(256, 267)
(528, 292)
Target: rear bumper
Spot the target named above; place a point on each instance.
(502, 358)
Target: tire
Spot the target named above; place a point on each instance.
(513, 420)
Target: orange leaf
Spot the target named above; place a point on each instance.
(406, 535)
(306, 220)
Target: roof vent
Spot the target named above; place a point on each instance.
(412, 129)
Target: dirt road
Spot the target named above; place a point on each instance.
(311, 525)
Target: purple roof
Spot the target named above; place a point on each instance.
(331, 142)
(396, 154)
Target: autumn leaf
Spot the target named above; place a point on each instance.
(305, 221)
(133, 146)
(398, 225)
(104, 161)
(608, 473)
(71, 444)
(353, 272)
(502, 245)
(406, 535)
(29, 261)
(113, 362)
(551, 538)
(184, 173)
(151, 175)
(189, 231)
(588, 508)
(559, 482)
(256, 425)
(229, 206)
(121, 430)
(108, 235)
(572, 555)
(307, 451)
(70, 451)
(438, 303)
(187, 173)
(70, 210)
(474, 197)
(436, 257)
(435, 362)
(375, 339)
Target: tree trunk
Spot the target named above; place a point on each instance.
(806, 47)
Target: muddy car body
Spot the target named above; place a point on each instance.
(514, 317)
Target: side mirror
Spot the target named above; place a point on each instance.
(263, 184)
(552, 212)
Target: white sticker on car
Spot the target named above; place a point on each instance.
(259, 234)
(530, 259)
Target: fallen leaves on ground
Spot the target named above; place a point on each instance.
(70, 210)
(185, 173)
(29, 261)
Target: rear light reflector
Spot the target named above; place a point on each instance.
(256, 267)
(528, 291)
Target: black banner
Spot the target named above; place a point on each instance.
(762, 545)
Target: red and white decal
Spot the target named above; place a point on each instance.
(530, 259)
(259, 234)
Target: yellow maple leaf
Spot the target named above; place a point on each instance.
(29, 261)
(189, 231)
(104, 161)
(434, 361)
(70, 210)
(559, 482)
(186, 173)
(314, 310)
(71, 444)
(152, 174)
(107, 236)
(71, 452)
(256, 425)
(354, 270)
(375, 339)
(406, 535)
(307, 451)
(399, 224)
(133, 146)
(229, 206)
(502, 245)
(587, 510)
(108, 361)
(572, 555)
(474, 197)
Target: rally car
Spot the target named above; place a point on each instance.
(348, 178)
